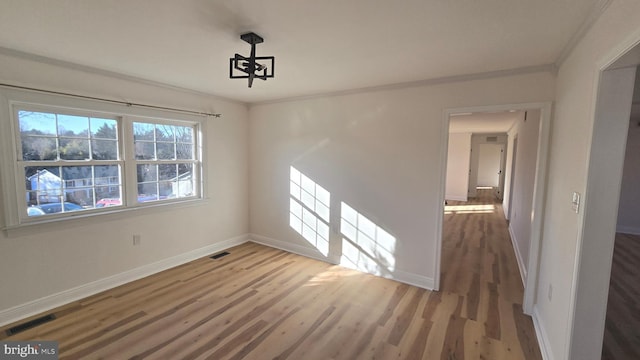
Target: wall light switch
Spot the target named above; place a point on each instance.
(575, 202)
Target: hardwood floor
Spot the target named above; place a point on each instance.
(622, 329)
(262, 303)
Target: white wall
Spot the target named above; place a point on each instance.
(380, 152)
(70, 259)
(458, 158)
(523, 182)
(569, 152)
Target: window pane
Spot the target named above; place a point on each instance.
(143, 131)
(145, 150)
(167, 172)
(107, 175)
(73, 126)
(147, 192)
(104, 128)
(108, 196)
(184, 184)
(147, 173)
(166, 151)
(74, 149)
(39, 148)
(104, 149)
(43, 185)
(184, 134)
(164, 133)
(78, 184)
(184, 151)
(53, 190)
(37, 123)
(165, 188)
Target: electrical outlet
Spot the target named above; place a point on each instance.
(550, 293)
(136, 240)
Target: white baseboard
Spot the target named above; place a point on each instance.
(456, 197)
(67, 296)
(633, 230)
(397, 275)
(543, 338)
(305, 251)
(516, 249)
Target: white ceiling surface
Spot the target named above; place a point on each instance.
(320, 46)
(499, 122)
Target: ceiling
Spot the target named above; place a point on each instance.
(321, 47)
(483, 122)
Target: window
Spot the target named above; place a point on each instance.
(164, 161)
(70, 162)
(67, 159)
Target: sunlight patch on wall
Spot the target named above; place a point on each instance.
(365, 246)
(309, 212)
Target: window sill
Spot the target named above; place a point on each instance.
(96, 217)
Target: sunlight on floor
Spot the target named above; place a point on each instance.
(469, 209)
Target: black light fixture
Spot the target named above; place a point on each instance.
(249, 67)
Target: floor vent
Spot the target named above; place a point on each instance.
(219, 255)
(30, 324)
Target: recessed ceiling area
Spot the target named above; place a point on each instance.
(321, 47)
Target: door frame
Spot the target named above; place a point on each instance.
(539, 190)
(597, 226)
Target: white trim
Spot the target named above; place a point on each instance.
(537, 208)
(516, 249)
(49, 302)
(633, 230)
(455, 198)
(549, 68)
(543, 337)
(594, 14)
(290, 247)
(398, 275)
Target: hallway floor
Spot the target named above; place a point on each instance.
(479, 265)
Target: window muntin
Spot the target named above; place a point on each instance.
(71, 161)
(165, 161)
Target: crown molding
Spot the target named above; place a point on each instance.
(594, 14)
(550, 68)
(113, 74)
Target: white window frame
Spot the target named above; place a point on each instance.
(12, 173)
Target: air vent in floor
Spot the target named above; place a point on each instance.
(30, 324)
(219, 255)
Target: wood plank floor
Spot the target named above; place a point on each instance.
(622, 329)
(263, 303)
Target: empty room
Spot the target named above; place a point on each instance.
(216, 179)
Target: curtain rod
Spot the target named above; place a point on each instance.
(113, 101)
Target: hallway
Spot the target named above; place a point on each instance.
(479, 265)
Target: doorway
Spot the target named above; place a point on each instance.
(491, 168)
(596, 240)
(538, 180)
